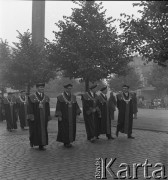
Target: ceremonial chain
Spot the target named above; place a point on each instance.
(104, 100)
(66, 100)
(90, 96)
(10, 102)
(38, 99)
(40, 102)
(127, 101)
(23, 101)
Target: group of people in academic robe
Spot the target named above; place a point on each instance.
(98, 111)
(14, 108)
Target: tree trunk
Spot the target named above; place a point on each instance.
(86, 84)
(28, 89)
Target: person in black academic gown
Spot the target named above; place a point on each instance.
(67, 110)
(112, 104)
(125, 112)
(10, 107)
(22, 102)
(38, 115)
(2, 111)
(91, 113)
(105, 108)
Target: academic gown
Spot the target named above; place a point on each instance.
(2, 111)
(105, 120)
(67, 108)
(125, 113)
(38, 115)
(91, 114)
(10, 107)
(112, 104)
(22, 103)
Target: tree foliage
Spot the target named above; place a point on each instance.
(132, 79)
(5, 57)
(148, 35)
(159, 77)
(87, 45)
(29, 63)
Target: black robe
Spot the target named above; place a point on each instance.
(105, 120)
(22, 103)
(2, 111)
(125, 113)
(91, 114)
(38, 115)
(67, 108)
(10, 107)
(112, 104)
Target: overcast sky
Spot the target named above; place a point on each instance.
(17, 15)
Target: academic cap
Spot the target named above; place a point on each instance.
(22, 91)
(40, 85)
(103, 88)
(125, 86)
(93, 86)
(68, 85)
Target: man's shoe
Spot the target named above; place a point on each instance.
(92, 140)
(117, 133)
(68, 145)
(110, 138)
(41, 148)
(131, 137)
(31, 144)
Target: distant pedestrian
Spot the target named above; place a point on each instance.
(135, 106)
(125, 112)
(2, 111)
(22, 103)
(38, 117)
(91, 113)
(10, 107)
(67, 110)
(166, 101)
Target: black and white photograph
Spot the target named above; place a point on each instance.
(83, 90)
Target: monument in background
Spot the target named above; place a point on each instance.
(38, 21)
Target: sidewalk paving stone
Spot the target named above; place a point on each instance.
(18, 161)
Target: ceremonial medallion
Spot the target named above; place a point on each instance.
(41, 105)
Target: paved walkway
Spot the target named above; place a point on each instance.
(18, 161)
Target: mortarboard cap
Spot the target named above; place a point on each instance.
(93, 86)
(40, 85)
(68, 85)
(10, 93)
(103, 88)
(22, 91)
(126, 86)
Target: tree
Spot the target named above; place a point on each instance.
(159, 78)
(5, 56)
(148, 35)
(28, 65)
(132, 79)
(87, 45)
